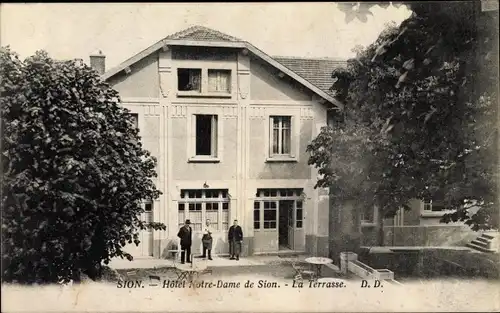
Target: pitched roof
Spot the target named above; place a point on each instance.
(198, 35)
(318, 71)
(201, 33)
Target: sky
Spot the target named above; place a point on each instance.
(121, 30)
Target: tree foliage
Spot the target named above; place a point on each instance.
(420, 116)
(74, 171)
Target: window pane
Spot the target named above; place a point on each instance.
(269, 215)
(273, 193)
(197, 207)
(275, 141)
(189, 79)
(256, 225)
(206, 135)
(148, 217)
(256, 205)
(148, 207)
(225, 206)
(191, 194)
(299, 204)
(256, 215)
(299, 214)
(191, 207)
(225, 219)
(219, 81)
(203, 134)
(299, 224)
(285, 122)
(285, 145)
(367, 215)
(181, 206)
(181, 218)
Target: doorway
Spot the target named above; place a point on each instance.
(285, 224)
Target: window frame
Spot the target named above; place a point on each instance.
(205, 66)
(369, 223)
(429, 213)
(294, 138)
(190, 92)
(202, 201)
(217, 70)
(216, 156)
(274, 195)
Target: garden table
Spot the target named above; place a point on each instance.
(317, 262)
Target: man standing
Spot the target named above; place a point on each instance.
(185, 235)
(207, 241)
(235, 236)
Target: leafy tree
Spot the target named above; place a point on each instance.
(420, 117)
(74, 171)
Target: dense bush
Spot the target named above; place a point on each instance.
(74, 171)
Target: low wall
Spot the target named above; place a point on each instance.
(435, 263)
(420, 235)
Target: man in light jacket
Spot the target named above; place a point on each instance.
(207, 240)
(235, 236)
(185, 234)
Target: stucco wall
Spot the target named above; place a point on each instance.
(142, 81)
(267, 85)
(224, 170)
(435, 235)
(260, 169)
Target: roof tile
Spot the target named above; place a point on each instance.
(318, 71)
(201, 33)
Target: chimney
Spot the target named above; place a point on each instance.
(98, 62)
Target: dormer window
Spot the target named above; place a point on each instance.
(189, 79)
(204, 81)
(219, 81)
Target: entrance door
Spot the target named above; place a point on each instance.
(286, 222)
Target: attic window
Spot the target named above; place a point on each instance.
(189, 79)
(219, 81)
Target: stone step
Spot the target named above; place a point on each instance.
(284, 253)
(488, 236)
(482, 239)
(479, 248)
(481, 243)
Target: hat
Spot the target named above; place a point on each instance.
(188, 222)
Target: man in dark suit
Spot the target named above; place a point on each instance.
(235, 236)
(185, 234)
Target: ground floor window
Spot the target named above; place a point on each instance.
(198, 205)
(433, 206)
(367, 215)
(270, 202)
